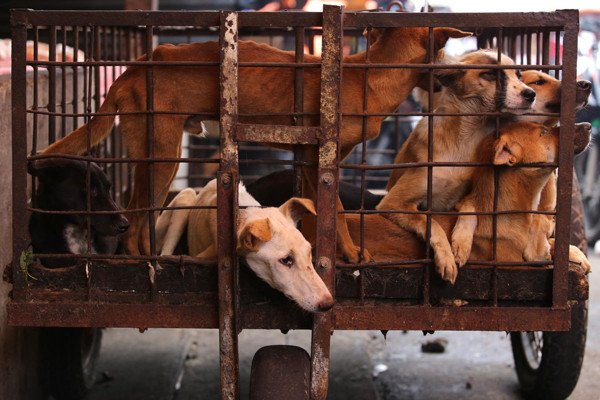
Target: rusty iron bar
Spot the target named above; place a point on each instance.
(427, 270)
(299, 39)
(52, 82)
(276, 134)
(227, 190)
(20, 216)
(565, 160)
(197, 19)
(349, 314)
(390, 317)
(327, 187)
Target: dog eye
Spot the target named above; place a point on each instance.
(519, 74)
(539, 82)
(287, 261)
(488, 75)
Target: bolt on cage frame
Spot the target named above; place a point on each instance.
(137, 291)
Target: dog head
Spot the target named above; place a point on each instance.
(488, 89)
(278, 253)
(548, 90)
(62, 187)
(526, 142)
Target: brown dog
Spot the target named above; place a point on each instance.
(519, 143)
(455, 139)
(195, 90)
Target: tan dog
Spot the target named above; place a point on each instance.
(548, 96)
(455, 139)
(519, 143)
(195, 90)
(267, 238)
(520, 236)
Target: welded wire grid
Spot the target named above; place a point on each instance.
(104, 51)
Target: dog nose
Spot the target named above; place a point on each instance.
(529, 95)
(123, 225)
(585, 85)
(326, 304)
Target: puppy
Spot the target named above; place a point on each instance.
(62, 187)
(455, 139)
(472, 235)
(267, 238)
(519, 236)
(195, 90)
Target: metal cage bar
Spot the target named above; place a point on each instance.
(227, 189)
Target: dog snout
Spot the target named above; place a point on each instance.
(325, 304)
(123, 225)
(528, 94)
(584, 85)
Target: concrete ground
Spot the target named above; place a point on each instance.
(183, 364)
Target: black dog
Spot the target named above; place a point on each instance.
(62, 187)
(276, 188)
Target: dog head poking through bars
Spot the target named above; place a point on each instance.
(278, 253)
(488, 89)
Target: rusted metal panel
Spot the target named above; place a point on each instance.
(83, 314)
(227, 183)
(352, 314)
(20, 215)
(273, 134)
(327, 190)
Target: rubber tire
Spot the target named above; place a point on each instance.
(562, 357)
(562, 352)
(280, 372)
(68, 361)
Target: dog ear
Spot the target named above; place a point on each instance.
(376, 33)
(296, 208)
(506, 153)
(253, 234)
(441, 36)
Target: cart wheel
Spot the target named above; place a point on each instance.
(548, 363)
(68, 360)
(280, 372)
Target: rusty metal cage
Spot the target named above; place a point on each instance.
(181, 291)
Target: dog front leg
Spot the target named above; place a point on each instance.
(351, 252)
(462, 234)
(397, 199)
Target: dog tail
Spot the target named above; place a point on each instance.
(99, 127)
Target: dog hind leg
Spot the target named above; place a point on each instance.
(171, 224)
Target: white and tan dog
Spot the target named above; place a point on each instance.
(267, 238)
(455, 139)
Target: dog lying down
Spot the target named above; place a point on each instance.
(61, 187)
(267, 238)
(520, 236)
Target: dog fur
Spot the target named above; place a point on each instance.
(521, 142)
(62, 187)
(267, 239)
(195, 90)
(520, 236)
(455, 139)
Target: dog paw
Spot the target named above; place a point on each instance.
(446, 266)
(353, 255)
(577, 257)
(537, 250)
(461, 251)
